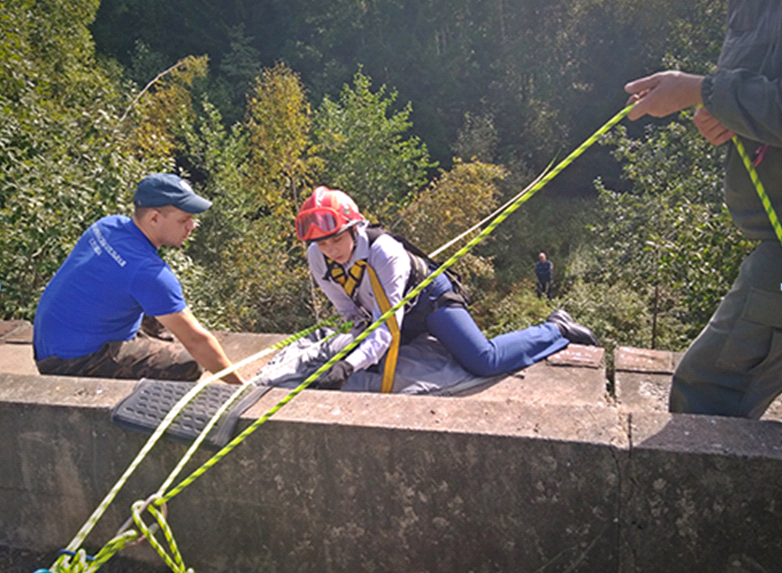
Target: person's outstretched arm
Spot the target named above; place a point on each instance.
(200, 343)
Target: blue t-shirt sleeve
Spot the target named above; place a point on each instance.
(157, 290)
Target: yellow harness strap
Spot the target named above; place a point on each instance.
(396, 336)
(349, 282)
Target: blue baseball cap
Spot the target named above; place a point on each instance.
(163, 189)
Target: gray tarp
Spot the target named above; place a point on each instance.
(424, 367)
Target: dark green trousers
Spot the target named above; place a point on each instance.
(734, 367)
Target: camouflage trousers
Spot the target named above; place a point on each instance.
(141, 357)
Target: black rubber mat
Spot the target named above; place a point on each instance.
(144, 409)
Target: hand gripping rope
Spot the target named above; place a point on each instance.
(81, 565)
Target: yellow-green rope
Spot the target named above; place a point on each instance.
(761, 191)
(413, 293)
(216, 417)
(62, 563)
(174, 560)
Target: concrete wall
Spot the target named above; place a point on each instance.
(356, 482)
(339, 482)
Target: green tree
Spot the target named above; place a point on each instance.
(238, 70)
(671, 238)
(61, 142)
(279, 121)
(163, 110)
(365, 151)
(252, 274)
(477, 139)
(450, 206)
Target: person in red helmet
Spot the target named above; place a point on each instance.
(363, 271)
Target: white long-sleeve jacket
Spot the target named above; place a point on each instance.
(391, 263)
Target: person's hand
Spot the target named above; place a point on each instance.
(359, 326)
(714, 132)
(234, 378)
(663, 93)
(335, 377)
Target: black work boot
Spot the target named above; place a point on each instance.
(570, 329)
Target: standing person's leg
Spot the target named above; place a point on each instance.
(455, 329)
(141, 357)
(734, 367)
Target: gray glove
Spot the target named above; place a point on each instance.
(335, 377)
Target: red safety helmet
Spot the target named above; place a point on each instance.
(325, 213)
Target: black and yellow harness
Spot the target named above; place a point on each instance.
(415, 314)
(350, 281)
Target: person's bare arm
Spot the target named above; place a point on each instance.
(200, 343)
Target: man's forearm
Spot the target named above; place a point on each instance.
(209, 354)
(200, 343)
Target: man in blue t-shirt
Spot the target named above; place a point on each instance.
(88, 319)
(544, 270)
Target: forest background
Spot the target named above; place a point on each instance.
(429, 113)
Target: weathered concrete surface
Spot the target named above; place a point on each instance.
(241, 345)
(333, 482)
(642, 381)
(539, 472)
(17, 359)
(16, 351)
(702, 493)
(574, 376)
(16, 332)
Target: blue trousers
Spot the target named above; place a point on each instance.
(455, 329)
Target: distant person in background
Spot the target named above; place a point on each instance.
(544, 270)
(88, 321)
(734, 367)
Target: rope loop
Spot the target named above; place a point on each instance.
(142, 506)
(174, 559)
(83, 563)
(73, 561)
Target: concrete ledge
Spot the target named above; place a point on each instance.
(627, 359)
(334, 482)
(16, 332)
(573, 376)
(16, 351)
(364, 482)
(241, 345)
(702, 494)
(642, 381)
